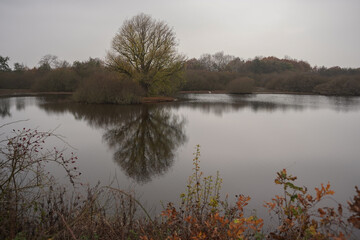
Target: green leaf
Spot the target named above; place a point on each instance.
(293, 197)
(293, 186)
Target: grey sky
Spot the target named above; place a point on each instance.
(322, 32)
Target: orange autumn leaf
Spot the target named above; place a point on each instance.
(322, 212)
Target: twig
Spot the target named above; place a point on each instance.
(67, 226)
(9, 123)
(130, 196)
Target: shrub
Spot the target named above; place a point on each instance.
(207, 80)
(340, 86)
(292, 81)
(57, 80)
(203, 215)
(24, 181)
(240, 85)
(299, 215)
(17, 80)
(108, 87)
(354, 206)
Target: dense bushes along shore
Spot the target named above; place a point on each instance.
(34, 206)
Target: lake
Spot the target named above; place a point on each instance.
(149, 148)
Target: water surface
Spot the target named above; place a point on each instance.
(247, 138)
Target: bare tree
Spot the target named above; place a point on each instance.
(145, 50)
(207, 62)
(215, 62)
(221, 60)
(49, 61)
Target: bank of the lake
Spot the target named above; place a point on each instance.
(155, 99)
(28, 92)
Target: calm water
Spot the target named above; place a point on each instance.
(149, 148)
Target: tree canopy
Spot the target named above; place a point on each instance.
(4, 66)
(146, 50)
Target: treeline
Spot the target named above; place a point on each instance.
(90, 80)
(225, 72)
(93, 82)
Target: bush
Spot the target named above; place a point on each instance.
(17, 80)
(57, 80)
(32, 208)
(300, 215)
(240, 85)
(108, 87)
(207, 80)
(292, 81)
(203, 215)
(24, 181)
(349, 86)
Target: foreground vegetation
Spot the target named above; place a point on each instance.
(34, 206)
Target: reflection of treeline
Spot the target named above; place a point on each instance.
(222, 104)
(107, 116)
(6, 104)
(4, 107)
(94, 83)
(96, 115)
(220, 108)
(144, 137)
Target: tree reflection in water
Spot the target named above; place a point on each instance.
(145, 143)
(145, 137)
(5, 107)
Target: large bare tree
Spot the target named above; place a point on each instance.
(146, 50)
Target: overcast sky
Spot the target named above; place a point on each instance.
(322, 32)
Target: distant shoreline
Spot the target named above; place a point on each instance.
(28, 92)
(263, 91)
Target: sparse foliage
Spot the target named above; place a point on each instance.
(49, 61)
(215, 62)
(203, 215)
(24, 179)
(354, 206)
(299, 215)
